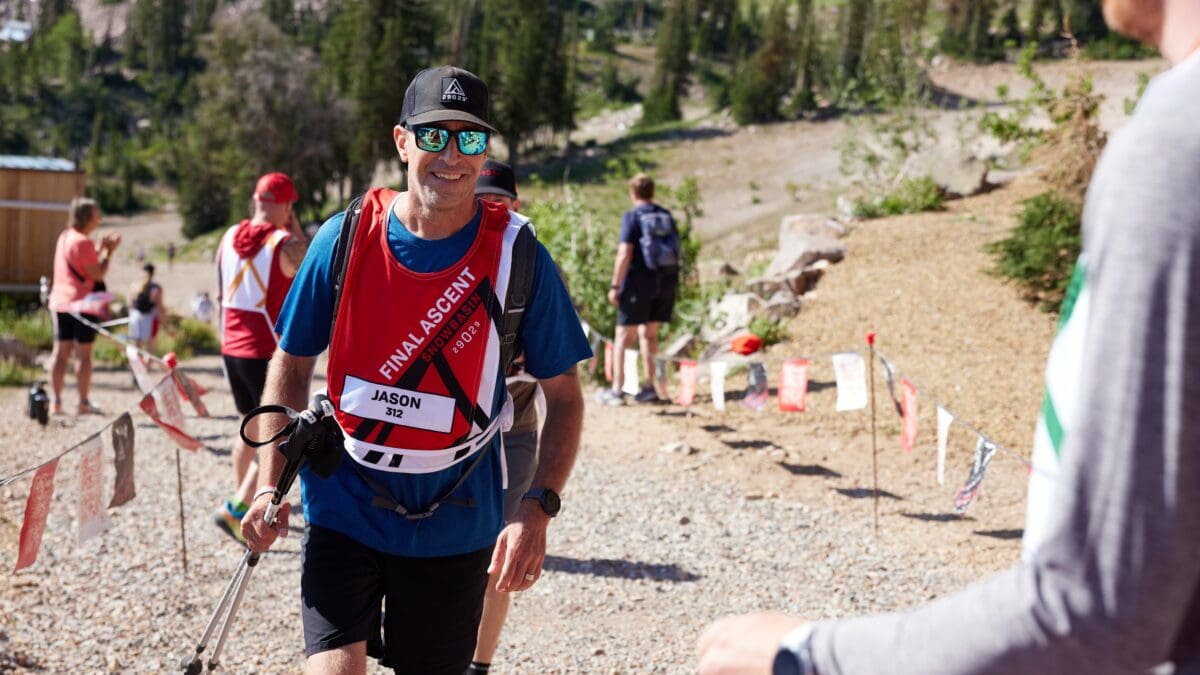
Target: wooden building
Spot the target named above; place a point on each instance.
(35, 195)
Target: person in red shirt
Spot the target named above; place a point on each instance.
(78, 265)
(256, 262)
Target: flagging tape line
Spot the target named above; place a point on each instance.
(99, 328)
(25, 472)
(957, 419)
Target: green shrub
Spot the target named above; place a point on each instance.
(1041, 250)
(31, 328)
(913, 195)
(770, 331)
(108, 351)
(188, 337)
(13, 374)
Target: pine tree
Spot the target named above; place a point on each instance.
(670, 67)
(759, 88)
(856, 16)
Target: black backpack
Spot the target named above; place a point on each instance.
(659, 241)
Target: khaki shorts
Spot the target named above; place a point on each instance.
(521, 458)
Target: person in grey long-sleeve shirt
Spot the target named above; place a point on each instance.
(1111, 582)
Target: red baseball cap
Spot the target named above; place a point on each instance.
(276, 188)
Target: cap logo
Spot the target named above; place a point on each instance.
(453, 91)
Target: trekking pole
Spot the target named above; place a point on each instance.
(308, 438)
(232, 598)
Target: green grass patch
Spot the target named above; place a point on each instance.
(913, 195)
(13, 374)
(31, 328)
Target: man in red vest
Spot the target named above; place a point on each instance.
(256, 262)
(412, 518)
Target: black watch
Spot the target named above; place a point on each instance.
(546, 498)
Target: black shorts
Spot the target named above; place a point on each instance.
(247, 378)
(646, 299)
(432, 610)
(69, 329)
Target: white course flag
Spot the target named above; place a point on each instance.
(717, 372)
(140, 374)
(944, 418)
(851, 374)
(630, 385)
(93, 519)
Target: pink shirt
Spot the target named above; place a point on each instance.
(74, 248)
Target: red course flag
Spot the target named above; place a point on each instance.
(179, 436)
(908, 432)
(191, 391)
(687, 383)
(36, 509)
(92, 518)
(793, 385)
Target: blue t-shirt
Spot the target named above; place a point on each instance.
(553, 343)
(631, 233)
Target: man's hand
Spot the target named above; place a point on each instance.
(742, 645)
(521, 548)
(613, 296)
(258, 533)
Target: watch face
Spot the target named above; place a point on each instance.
(551, 502)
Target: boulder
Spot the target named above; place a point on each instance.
(15, 350)
(680, 346)
(956, 170)
(782, 305)
(798, 251)
(730, 314)
(809, 224)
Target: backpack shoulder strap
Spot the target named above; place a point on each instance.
(341, 253)
(520, 287)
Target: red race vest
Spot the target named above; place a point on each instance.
(414, 357)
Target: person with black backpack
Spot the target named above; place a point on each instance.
(146, 309)
(645, 277)
(423, 298)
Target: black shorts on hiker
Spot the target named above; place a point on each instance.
(432, 609)
(69, 329)
(247, 379)
(646, 299)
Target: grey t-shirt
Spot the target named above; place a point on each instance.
(1114, 586)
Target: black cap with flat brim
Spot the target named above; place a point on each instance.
(445, 94)
(496, 178)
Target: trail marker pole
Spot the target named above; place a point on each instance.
(179, 492)
(874, 447)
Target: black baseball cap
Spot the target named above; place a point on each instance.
(496, 178)
(444, 94)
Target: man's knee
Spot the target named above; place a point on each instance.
(348, 659)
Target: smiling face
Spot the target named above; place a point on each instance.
(1139, 19)
(442, 180)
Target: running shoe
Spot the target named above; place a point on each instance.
(610, 397)
(647, 395)
(229, 524)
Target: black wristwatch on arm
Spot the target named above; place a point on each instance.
(546, 498)
(794, 656)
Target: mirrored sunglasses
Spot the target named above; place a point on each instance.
(434, 139)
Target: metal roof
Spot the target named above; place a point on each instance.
(36, 163)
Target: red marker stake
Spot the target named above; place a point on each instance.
(874, 447)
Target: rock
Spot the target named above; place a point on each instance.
(685, 520)
(809, 224)
(955, 169)
(678, 448)
(730, 314)
(680, 346)
(753, 496)
(727, 270)
(782, 305)
(14, 349)
(800, 251)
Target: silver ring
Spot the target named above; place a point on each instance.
(529, 577)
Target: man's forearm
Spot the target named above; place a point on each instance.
(288, 379)
(560, 436)
(621, 265)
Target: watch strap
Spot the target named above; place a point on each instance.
(794, 656)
